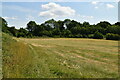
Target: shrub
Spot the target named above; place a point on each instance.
(84, 36)
(110, 36)
(98, 35)
(71, 36)
(90, 35)
(66, 33)
(78, 36)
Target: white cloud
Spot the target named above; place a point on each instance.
(110, 6)
(95, 2)
(10, 18)
(87, 17)
(53, 10)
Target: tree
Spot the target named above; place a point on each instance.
(22, 32)
(66, 28)
(13, 31)
(67, 21)
(56, 31)
(104, 24)
(51, 23)
(115, 29)
(111, 36)
(97, 35)
(31, 26)
(72, 24)
(101, 29)
(85, 24)
(38, 30)
(75, 30)
(46, 27)
(66, 33)
(4, 25)
(60, 25)
(117, 23)
(83, 31)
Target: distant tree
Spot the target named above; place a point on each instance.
(38, 30)
(56, 31)
(72, 24)
(104, 24)
(13, 31)
(23, 30)
(31, 26)
(111, 36)
(92, 29)
(22, 33)
(66, 28)
(60, 25)
(51, 23)
(67, 21)
(46, 27)
(98, 35)
(86, 24)
(66, 33)
(117, 23)
(4, 25)
(101, 29)
(75, 30)
(115, 29)
(84, 31)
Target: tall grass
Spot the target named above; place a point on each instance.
(0, 55)
(17, 59)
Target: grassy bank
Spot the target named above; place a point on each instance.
(18, 60)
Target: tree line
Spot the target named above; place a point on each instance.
(67, 29)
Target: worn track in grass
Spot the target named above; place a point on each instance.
(60, 58)
(71, 57)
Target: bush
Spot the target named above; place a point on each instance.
(98, 35)
(56, 36)
(66, 33)
(110, 36)
(78, 36)
(90, 35)
(84, 36)
(71, 36)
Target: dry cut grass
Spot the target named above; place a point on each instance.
(60, 58)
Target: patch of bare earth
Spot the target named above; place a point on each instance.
(39, 45)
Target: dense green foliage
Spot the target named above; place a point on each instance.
(67, 28)
(98, 35)
(111, 36)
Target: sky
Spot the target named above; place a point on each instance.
(18, 14)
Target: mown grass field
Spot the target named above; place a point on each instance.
(59, 58)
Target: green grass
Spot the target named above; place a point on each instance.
(0, 55)
(18, 60)
(60, 58)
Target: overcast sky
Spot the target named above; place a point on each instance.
(18, 14)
